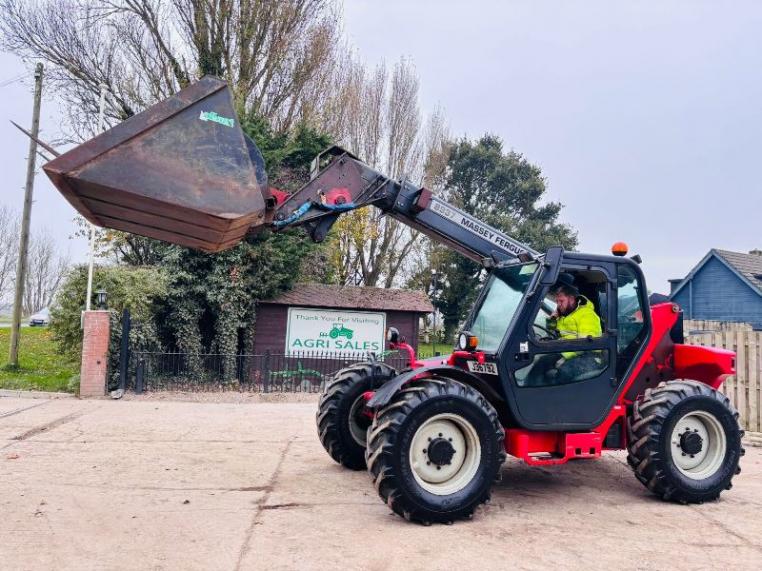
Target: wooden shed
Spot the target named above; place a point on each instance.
(319, 317)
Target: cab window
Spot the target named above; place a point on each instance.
(557, 321)
(630, 326)
(504, 291)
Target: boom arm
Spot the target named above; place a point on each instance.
(347, 183)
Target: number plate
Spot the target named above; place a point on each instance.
(485, 369)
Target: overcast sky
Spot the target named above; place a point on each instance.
(50, 211)
(645, 117)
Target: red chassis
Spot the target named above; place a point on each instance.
(679, 361)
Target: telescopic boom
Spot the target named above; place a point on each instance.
(347, 183)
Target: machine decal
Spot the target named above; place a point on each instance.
(212, 116)
(477, 228)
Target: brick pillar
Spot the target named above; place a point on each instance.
(92, 376)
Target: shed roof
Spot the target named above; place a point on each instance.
(748, 267)
(349, 297)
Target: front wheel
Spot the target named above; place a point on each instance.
(434, 451)
(684, 441)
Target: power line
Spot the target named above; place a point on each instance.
(12, 80)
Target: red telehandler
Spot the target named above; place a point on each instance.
(434, 436)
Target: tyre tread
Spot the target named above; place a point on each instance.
(383, 434)
(644, 434)
(332, 430)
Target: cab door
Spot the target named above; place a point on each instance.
(578, 394)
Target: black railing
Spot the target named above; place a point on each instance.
(269, 372)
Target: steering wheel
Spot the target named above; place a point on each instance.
(551, 334)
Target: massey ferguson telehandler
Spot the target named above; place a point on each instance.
(434, 436)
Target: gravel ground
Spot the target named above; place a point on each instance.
(152, 483)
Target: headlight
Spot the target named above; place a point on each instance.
(467, 342)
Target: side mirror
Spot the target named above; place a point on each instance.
(551, 265)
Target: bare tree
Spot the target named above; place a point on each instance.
(46, 268)
(278, 57)
(9, 247)
(380, 119)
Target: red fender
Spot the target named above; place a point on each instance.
(709, 365)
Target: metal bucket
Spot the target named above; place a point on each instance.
(182, 171)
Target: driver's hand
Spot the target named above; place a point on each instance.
(560, 363)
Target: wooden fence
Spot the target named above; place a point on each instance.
(702, 326)
(744, 388)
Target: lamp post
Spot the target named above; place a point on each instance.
(434, 317)
(101, 123)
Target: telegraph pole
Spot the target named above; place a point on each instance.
(13, 358)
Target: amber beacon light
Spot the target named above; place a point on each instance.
(619, 249)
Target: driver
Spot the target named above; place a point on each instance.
(574, 318)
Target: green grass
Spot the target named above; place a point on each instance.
(40, 367)
(428, 349)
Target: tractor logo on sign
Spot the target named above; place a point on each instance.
(338, 330)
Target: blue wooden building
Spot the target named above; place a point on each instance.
(724, 286)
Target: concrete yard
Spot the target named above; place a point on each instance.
(147, 484)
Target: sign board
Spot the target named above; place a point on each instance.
(334, 331)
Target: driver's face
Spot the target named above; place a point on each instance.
(565, 303)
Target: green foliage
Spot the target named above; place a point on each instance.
(212, 297)
(504, 190)
(41, 367)
(142, 290)
(284, 152)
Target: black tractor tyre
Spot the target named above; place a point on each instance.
(341, 426)
(404, 421)
(660, 443)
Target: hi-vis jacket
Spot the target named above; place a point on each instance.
(581, 323)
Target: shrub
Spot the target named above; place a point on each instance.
(142, 290)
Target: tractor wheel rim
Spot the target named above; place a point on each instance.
(698, 445)
(357, 430)
(461, 458)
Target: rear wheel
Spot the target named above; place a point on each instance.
(684, 441)
(434, 451)
(341, 422)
